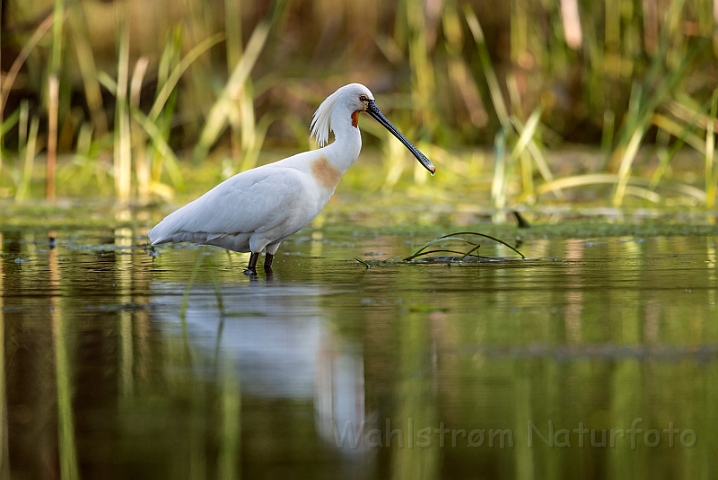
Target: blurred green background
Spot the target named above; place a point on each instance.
(127, 98)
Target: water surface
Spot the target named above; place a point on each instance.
(597, 357)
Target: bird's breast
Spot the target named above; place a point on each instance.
(325, 174)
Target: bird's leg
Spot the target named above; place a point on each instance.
(252, 265)
(268, 257)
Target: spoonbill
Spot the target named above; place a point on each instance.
(256, 209)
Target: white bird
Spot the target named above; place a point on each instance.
(255, 210)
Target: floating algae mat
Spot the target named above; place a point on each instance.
(598, 354)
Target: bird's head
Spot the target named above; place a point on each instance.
(347, 100)
(351, 100)
(355, 96)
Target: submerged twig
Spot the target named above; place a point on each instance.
(444, 250)
(363, 262)
(486, 236)
(450, 237)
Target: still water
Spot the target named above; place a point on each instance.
(594, 358)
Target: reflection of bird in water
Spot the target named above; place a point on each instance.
(257, 209)
(278, 340)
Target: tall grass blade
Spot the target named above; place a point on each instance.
(241, 116)
(640, 114)
(122, 146)
(624, 171)
(393, 152)
(169, 85)
(233, 29)
(162, 125)
(666, 156)
(53, 104)
(687, 108)
(171, 55)
(218, 114)
(5, 126)
(710, 152)
(23, 122)
(609, 124)
(646, 98)
(497, 98)
(108, 82)
(51, 160)
(527, 140)
(248, 126)
(422, 71)
(526, 135)
(526, 132)
(498, 184)
(9, 122)
(171, 163)
(88, 67)
(142, 168)
(30, 152)
(251, 152)
(612, 179)
(458, 68)
(8, 79)
(58, 21)
(682, 132)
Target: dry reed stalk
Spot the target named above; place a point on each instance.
(122, 147)
(142, 168)
(52, 113)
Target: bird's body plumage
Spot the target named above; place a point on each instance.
(257, 209)
(251, 219)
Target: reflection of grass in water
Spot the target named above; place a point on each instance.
(63, 373)
(188, 290)
(4, 447)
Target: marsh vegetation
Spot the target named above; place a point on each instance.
(121, 99)
(595, 120)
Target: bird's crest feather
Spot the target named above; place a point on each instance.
(321, 121)
(346, 96)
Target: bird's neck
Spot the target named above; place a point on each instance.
(347, 140)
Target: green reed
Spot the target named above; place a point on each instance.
(625, 72)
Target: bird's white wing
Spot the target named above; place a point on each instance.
(248, 202)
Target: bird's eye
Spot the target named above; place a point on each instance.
(363, 98)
